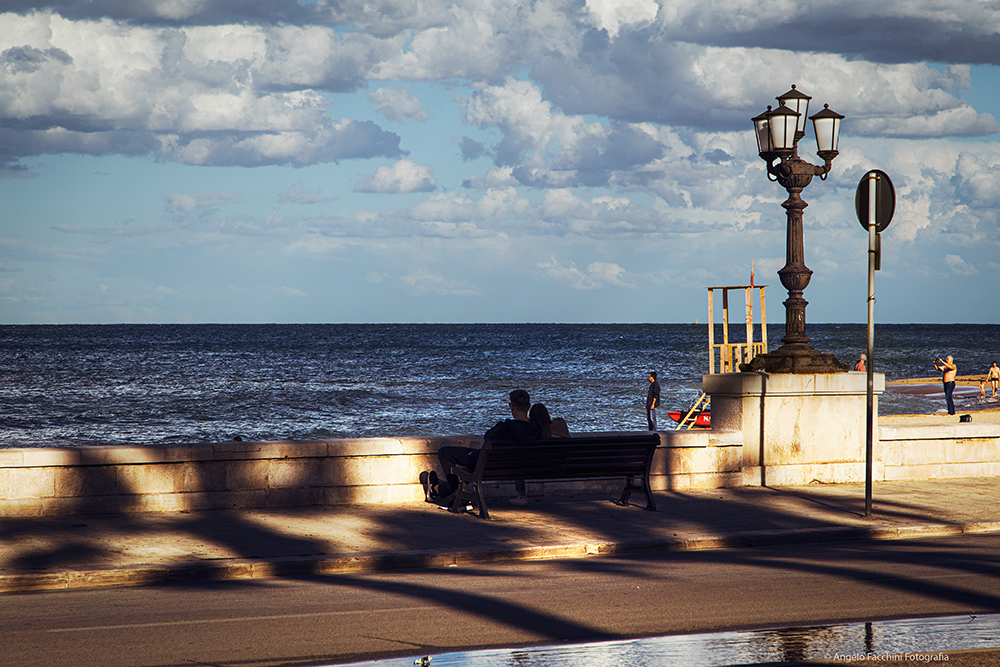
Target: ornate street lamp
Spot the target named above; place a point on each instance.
(778, 132)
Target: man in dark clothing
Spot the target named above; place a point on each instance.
(652, 400)
(520, 429)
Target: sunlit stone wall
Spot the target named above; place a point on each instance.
(88, 480)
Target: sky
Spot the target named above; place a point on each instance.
(254, 161)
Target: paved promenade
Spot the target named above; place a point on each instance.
(137, 549)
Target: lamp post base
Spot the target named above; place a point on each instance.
(795, 358)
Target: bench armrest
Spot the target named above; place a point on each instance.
(463, 473)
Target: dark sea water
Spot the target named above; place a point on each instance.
(152, 384)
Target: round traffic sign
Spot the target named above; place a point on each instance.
(885, 200)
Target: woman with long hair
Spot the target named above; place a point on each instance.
(551, 428)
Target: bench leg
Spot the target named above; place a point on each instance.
(469, 491)
(478, 500)
(626, 492)
(630, 486)
(650, 503)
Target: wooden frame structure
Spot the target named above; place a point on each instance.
(730, 354)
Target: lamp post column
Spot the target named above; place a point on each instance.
(778, 132)
(795, 175)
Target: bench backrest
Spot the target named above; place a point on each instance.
(576, 457)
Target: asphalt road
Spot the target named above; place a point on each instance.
(336, 619)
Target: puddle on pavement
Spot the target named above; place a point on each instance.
(819, 642)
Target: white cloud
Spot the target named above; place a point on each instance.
(960, 266)
(911, 217)
(616, 131)
(498, 177)
(397, 104)
(601, 217)
(959, 121)
(597, 275)
(978, 181)
(296, 194)
(248, 93)
(315, 245)
(424, 280)
(612, 14)
(546, 148)
(402, 177)
(205, 95)
(184, 203)
(608, 273)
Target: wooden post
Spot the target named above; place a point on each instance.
(727, 363)
(711, 332)
(748, 303)
(763, 321)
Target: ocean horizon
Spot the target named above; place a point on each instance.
(144, 384)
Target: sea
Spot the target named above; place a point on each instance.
(132, 384)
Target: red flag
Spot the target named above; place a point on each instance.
(751, 273)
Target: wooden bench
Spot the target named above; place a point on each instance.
(581, 456)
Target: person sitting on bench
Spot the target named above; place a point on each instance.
(520, 429)
(551, 428)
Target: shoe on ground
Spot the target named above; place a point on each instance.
(429, 480)
(460, 510)
(518, 501)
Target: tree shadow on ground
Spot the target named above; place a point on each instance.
(423, 527)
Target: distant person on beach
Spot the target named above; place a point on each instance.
(949, 372)
(993, 375)
(550, 428)
(652, 400)
(520, 429)
(860, 366)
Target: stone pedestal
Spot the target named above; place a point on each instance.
(797, 428)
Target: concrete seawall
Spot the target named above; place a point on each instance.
(939, 451)
(172, 478)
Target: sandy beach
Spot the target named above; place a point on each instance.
(965, 380)
(987, 414)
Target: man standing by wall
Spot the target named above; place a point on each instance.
(652, 400)
(860, 366)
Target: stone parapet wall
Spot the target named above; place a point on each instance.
(697, 459)
(901, 453)
(939, 451)
(40, 482)
(169, 478)
(797, 428)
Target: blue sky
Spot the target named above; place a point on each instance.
(482, 161)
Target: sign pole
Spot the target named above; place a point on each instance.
(874, 202)
(870, 366)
